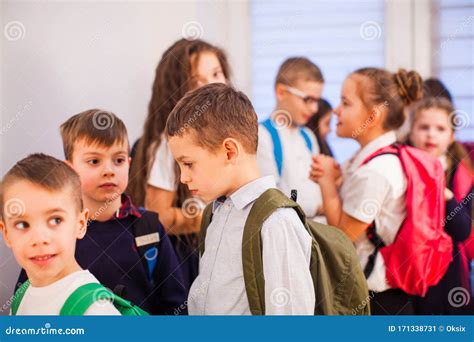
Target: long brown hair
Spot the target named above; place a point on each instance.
(172, 80)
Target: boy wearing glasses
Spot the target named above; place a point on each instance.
(285, 145)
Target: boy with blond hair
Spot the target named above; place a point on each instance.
(42, 216)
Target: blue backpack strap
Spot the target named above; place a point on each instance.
(307, 139)
(277, 150)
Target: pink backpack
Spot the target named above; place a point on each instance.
(422, 250)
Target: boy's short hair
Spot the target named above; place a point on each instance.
(298, 68)
(215, 112)
(45, 171)
(96, 126)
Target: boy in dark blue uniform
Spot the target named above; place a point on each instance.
(152, 281)
(125, 247)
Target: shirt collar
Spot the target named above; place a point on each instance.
(247, 193)
(127, 208)
(384, 140)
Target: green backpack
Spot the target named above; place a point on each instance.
(339, 283)
(82, 298)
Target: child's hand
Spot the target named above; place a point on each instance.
(324, 168)
(317, 170)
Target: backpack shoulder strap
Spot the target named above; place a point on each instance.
(392, 149)
(83, 297)
(277, 150)
(147, 238)
(205, 222)
(307, 139)
(252, 261)
(19, 294)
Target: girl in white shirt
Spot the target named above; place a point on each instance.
(154, 175)
(371, 108)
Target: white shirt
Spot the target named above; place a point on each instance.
(220, 289)
(375, 192)
(296, 165)
(162, 173)
(48, 300)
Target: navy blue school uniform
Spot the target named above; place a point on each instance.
(109, 252)
(186, 247)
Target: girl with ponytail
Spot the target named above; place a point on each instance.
(373, 191)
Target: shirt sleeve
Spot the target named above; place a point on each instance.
(286, 245)
(366, 194)
(162, 173)
(265, 157)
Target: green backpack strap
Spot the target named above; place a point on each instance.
(19, 294)
(252, 259)
(205, 222)
(84, 296)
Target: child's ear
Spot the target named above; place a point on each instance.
(280, 91)
(232, 149)
(375, 116)
(5, 234)
(129, 161)
(68, 163)
(83, 217)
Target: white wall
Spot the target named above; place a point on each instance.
(62, 58)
